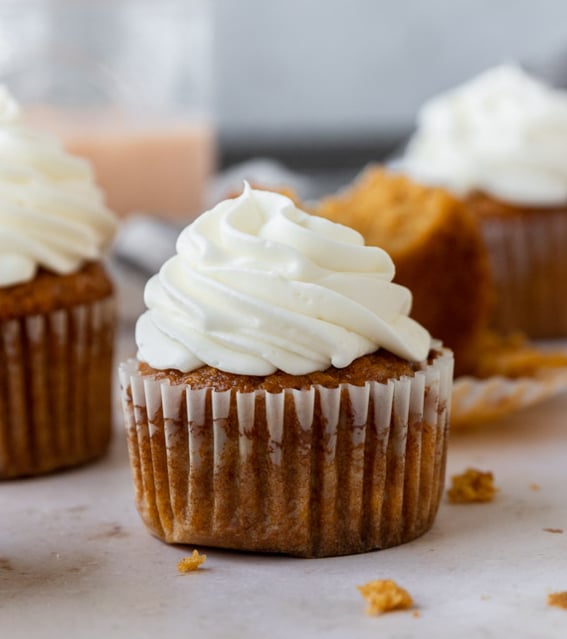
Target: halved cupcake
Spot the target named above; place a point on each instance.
(499, 143)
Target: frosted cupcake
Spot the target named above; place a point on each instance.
(499, 143)
(283, 400)
(56, 305)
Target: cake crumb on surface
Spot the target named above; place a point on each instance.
(558, 599)
(472, 486)
(384, 595)
(191, 563)
(557, 531)
(535, 487)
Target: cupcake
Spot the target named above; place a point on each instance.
(56, 305)
(282, 399)
(499, 143)
(437, 247)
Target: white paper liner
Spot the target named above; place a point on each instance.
(478, 401)
(529, 266)
(306, 472)
(55, 388)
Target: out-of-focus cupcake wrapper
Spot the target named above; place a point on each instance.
(55, 388)
(529, 264)
(305, 472)
(480, 401)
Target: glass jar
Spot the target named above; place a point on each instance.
(125, 83)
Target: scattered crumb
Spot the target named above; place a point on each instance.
(416, 614)
(485, 597)
(558, 599)
(472, 486)
(557, 531)
(535, 487)
(384, 595)
(189, 564)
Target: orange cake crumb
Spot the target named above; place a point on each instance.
(557, 531)
(535, 487)
(558, 599)
(189, 564)
(513, 356)
(472, 486)
(384, 595)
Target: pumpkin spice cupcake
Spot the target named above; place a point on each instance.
(499, 143)
(283, 400)
(56, 305)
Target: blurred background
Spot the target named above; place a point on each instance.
(334, 82)
(162, 95)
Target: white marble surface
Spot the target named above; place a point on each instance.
(75, 561)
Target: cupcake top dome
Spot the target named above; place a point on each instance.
(503, 133)
(52, 215)
(257, 285)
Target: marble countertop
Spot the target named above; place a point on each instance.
(76, 561)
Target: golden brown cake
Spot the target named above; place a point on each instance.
(56, 340)
(56, 305)
(384, 595)
(279, 421)
(191, 563)
(472, 486)
(339, 472)
(437, 247)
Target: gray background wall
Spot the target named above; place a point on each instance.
(312, 70)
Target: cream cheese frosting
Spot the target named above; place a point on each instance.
(52, 215)
(503, 133)
(257, 285)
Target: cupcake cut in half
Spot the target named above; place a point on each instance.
(56, 305)
(499, 144)
(283, 400)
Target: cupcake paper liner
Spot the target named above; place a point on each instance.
(310, 472)
(479, 401)
(529, 264)
(55, 388)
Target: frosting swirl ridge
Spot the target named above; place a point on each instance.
(258, 285)
(503, 133)
(52, 214)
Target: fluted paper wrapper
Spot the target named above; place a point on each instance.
(529, 264)
(477, 402)
(305, 472)
(55, 388)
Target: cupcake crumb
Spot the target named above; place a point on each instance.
(384, 595)
(472, 486)
(191, 563)
(416, 614)
(557, 531)
(558, 599)
(535, 487)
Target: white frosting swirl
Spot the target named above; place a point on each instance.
(51, 212)
(503, 133)
(258, 285)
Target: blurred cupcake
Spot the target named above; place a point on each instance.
(500, 144)
(56, 305)
(283, 400)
